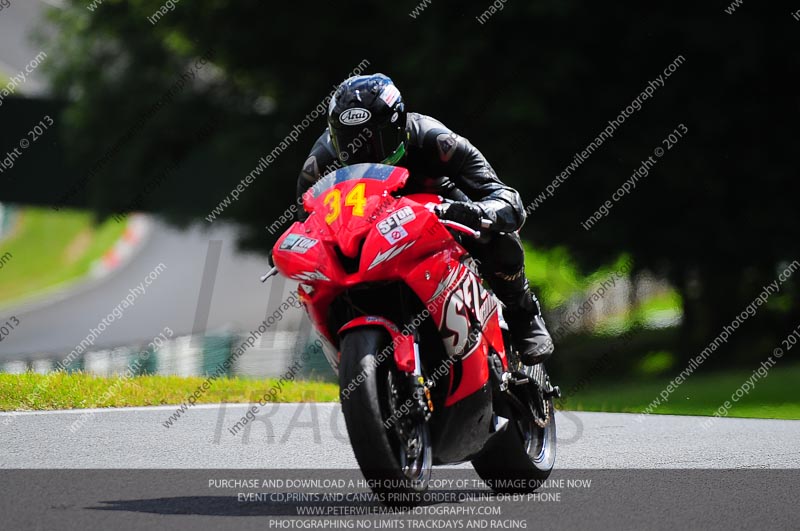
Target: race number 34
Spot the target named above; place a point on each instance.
(355, 199)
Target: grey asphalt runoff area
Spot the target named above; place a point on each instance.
(123, 469)
(313, 435)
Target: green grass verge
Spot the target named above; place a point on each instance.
(556, 278)
(772, 397)
(49, 248)
(554, 271)
(699, 395)
(79, 390)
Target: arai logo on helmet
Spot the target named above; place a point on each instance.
(355, 116)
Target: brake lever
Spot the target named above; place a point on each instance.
(485, 222)
(461, 228)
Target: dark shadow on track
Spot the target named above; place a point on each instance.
(231, 506)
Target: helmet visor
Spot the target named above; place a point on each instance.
(355, 145)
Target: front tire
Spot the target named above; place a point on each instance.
(394, 451)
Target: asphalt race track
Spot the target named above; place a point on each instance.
(613, 471)
(314, 436)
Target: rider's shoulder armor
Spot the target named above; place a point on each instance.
(432, 147)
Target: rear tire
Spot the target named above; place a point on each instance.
(395, 473)
(522, 457)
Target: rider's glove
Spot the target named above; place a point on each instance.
(468, 214)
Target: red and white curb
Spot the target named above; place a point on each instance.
(136, 232)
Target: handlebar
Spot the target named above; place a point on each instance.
(485, 223)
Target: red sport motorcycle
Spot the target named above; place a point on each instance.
(427, 372)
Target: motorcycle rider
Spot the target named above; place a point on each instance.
(370, 108)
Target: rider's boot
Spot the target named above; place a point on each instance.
(524, 317)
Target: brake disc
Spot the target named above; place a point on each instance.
(542, 384)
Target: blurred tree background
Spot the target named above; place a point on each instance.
(531, 86)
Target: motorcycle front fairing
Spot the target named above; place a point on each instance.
(354, 218)
(342, 207)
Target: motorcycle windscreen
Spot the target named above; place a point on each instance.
(391, 178)
(351, 199)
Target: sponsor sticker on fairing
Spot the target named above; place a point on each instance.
(295, 243)
(310, 275)
(392, 226)
(395, 235)
(397, 219)
(387, 255)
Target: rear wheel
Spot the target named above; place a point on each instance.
(392, 443)
(524, 455)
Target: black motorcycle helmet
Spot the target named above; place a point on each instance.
(367, 121)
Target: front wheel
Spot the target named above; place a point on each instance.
(391, 443)
(524, 455)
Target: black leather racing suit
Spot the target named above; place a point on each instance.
(433, 151)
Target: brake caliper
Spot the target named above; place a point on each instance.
(422, 392)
